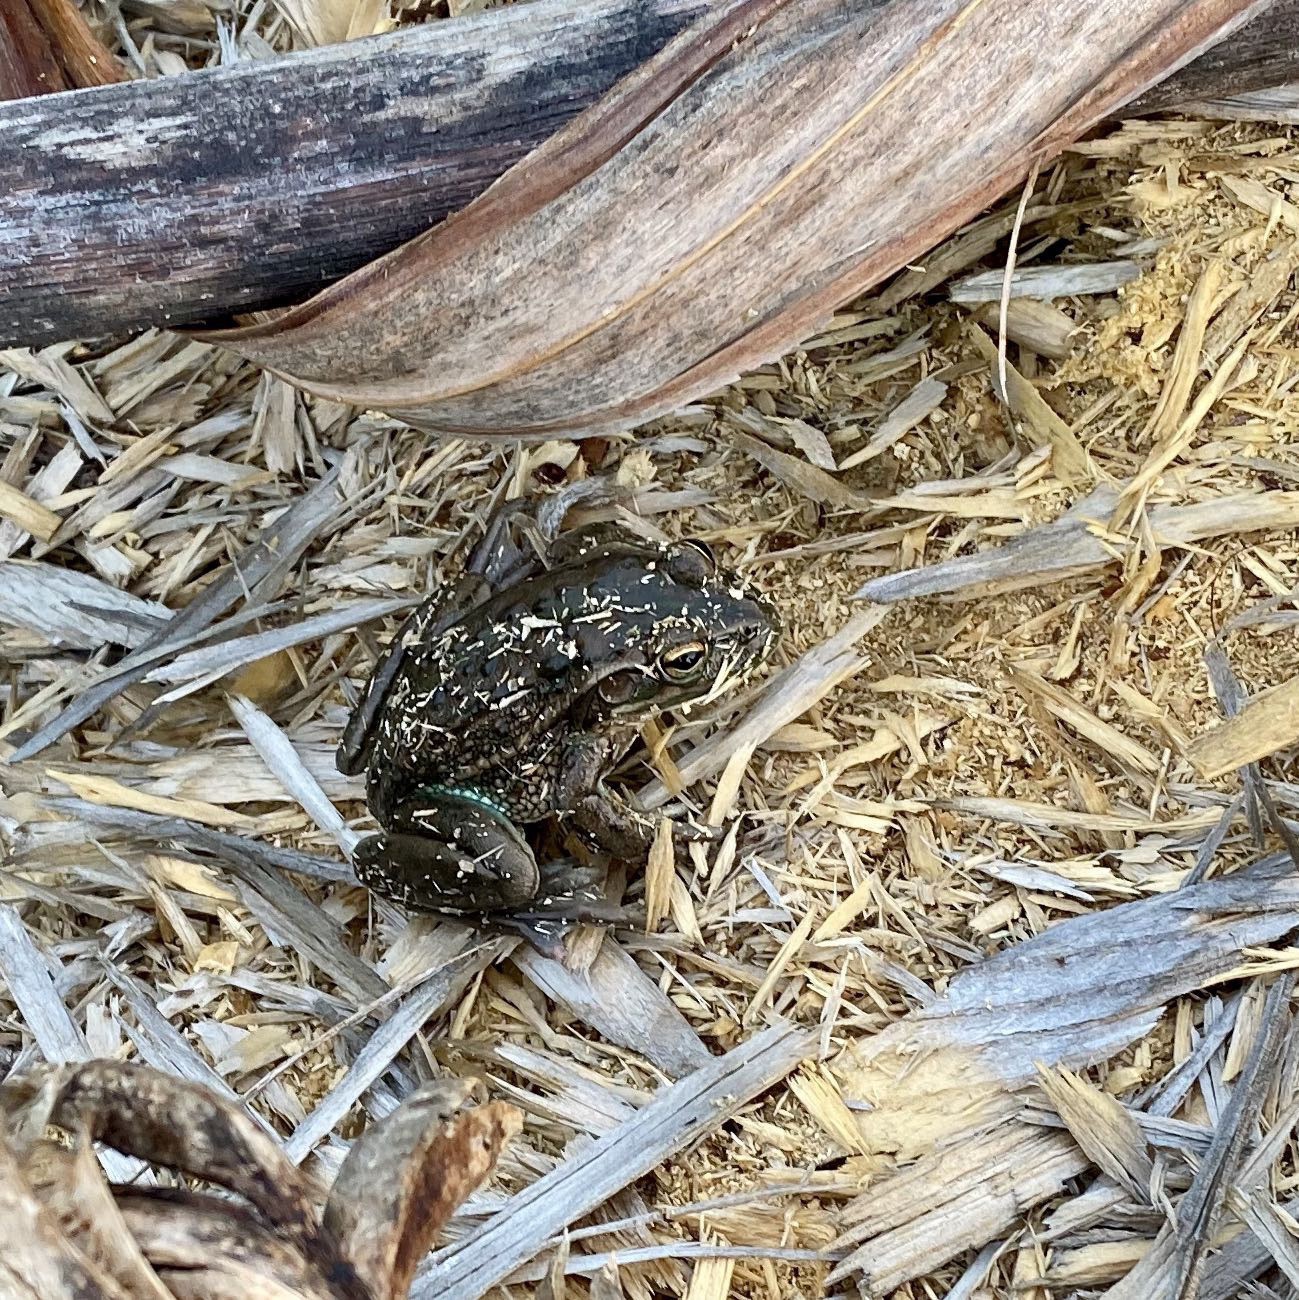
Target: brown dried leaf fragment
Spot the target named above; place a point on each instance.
(406, 1176)
(772, 162)
(38, 1262)
(71, 1187)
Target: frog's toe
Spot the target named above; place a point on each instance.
(563, 877)
(687, 833)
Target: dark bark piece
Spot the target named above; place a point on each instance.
(37, 1261)
(256, 185)
(70, 1185)
(182, 1126)
(1262, 54)
(224, 1251)
(176, 201)
(28, 64)
(405, 1177)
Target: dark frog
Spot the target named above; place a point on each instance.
(505, 704)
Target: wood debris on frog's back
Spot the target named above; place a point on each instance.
(516, 706)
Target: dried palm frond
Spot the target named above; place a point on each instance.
(710, 213)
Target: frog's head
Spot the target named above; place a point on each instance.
(680, 631)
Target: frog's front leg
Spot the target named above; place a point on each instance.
(449, 852)
(615, 826)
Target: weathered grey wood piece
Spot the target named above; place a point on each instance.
(186, 838)
(622, 1003)
(183, 200)
(1075, 994)
(264, 566)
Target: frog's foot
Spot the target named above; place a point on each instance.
(449, 855)
(564, 879)
(626, 833)
(569, 894)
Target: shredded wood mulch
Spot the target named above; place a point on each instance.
(986, 989)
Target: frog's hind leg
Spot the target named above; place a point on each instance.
(621, 830)
(447, 853)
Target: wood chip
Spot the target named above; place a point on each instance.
(615, 997)
(1103, 1128)
(1045, 282)
(1269, 722)
(999, 1022)
(679, 1115)
(1040, 422)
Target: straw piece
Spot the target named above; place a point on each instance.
(1268, 722)
(275, 750)
(1042, 424)
(1103, 1129)
(1045, 282)
(1069, 545)
(789, 695)
(265, 565)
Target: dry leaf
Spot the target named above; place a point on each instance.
(328, 22)
(773, 161)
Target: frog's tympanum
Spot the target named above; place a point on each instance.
(501, 706)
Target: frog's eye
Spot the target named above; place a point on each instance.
(692, 562)
(683, 663)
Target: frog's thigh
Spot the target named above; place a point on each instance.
(445, 854)
(619, 829)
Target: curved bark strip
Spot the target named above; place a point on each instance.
(46, 46)
(715, 208)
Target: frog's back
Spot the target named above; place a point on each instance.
(488, 692)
